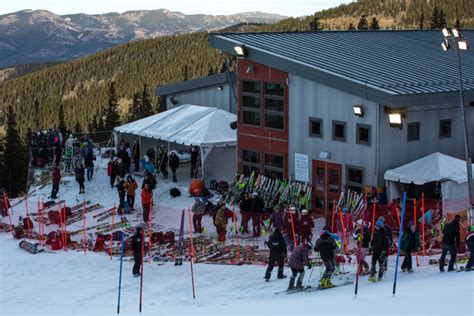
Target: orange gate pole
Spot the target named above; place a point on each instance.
(414, 223)
(84, 234)
(293, 227)
(65, 227)
(28, 219)
(333, 212)
(423, 221)
(150, 227)
(236, 234)
(112, 232)
(374, 207)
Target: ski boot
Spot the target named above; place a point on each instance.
(282, 277)
(299, 286)
(379, 279)
(372, 278)
(410, 270)
(291, 286)
(404, 270)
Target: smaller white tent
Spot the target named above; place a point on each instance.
(192, 125)
(437, 167)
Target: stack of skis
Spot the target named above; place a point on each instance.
(272, 191)
(353, 201)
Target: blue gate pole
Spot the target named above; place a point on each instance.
(120, 275)
(399, 242)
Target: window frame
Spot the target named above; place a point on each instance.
(441, 136)
(334, 138)
(321, 127)
(273, 97)
(355, 184)
(418, 136)
(272, 168)
(360, 142)
(247, 109)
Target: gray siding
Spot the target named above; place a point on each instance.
(311, 99)
(395, 150)
(210, 96)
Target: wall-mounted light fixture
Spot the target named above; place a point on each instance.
(219, 88)
(241, 51)
(250, 69)
(396, 116)
(173, 100)
(358, 110)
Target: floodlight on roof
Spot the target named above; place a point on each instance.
(463, 45)
(445, 45)
(395, 120)
(241, 51)
(456, 33)
(446, 32)
(358, 110)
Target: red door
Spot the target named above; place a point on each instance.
(327, 179)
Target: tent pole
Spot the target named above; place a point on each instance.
(140, 150)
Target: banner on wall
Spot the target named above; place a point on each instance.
(301, 167)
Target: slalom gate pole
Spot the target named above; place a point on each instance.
(398, 216)
(120, 273)
(343, 232)
(39, 222)
(28, 219)
(150, 227)
(181, 232)
(42, 223)
(8, 210)
(414, 223)
(333, 213)
(374, 208)
(399, 242)
(293, 228)
(191, 257)
(61, 225)
(112, 232)
(359, 251)
(236, 234)
(65, 227)
(141, 272)
(84, 235)
(423, 221)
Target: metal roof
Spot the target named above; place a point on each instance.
(395, 68)
(204, 82)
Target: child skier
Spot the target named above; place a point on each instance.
(326, 245)
(277, 245)
(298, 260)
(379, 246)
(410, 242)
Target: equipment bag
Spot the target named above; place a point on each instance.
(174, 192)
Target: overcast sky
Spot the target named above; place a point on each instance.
(283, 7)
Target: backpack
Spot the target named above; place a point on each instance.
(174, 192)
(18, 232)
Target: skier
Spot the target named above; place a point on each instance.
(136, 155)
(111, 171)
(131, 186)
(164, 162)
(56, 179)
(120, 185)
(80, 177)
(194, 161)
(198, 211)
(221, 224)
(137, 251)
(174, 164)
(147, 202)
(256, 207)
(277, 245)
(4, 204)
(89, 164)
(379, 246)
(299, 258)
(245, 204)
(305, 227)
(365, 246)
(276, 219)
(410, 242)
(451, 238)
(470, 247)
(326, 246)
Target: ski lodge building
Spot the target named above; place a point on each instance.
(340, 108)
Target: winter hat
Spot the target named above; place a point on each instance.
(254, 194)
(379, 223)
(471, 228)
(344, 209)
(304, 212)
(323, 232)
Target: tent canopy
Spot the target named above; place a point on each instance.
(187, 124)
(434, 167)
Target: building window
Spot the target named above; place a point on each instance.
(251, 103)
(339, 131)
(445, 129)
(274, 105)
(315, 127)
(355, 178)
(363, 134)
(251, 87)
(274, 166)
(413, 132)
(250, 161)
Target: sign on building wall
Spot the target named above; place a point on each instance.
(302, 167)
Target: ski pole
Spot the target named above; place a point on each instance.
(311, 273)
(423, 221)
(359, 251)
(65, 227)
(42, 207)
(61, 225)
(84, 236)
(120, 274)
(150, 227)
(236, 234)
(414, 223)
(141, 272)
(399, 241)
(8, 210)
(293, 228)
(28, 219)
(191, 257)
(112, 232)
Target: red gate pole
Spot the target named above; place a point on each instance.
(191, 257)
(112, 232)
(150, 227)
(84, 220)
(398, 216)
(8, 210)
(343, 232)
(359, 251)
(28, 219)
(61, 225)
(293, 227)
(333, 213)
(374, 208)
(65, 227)
(414, 223)
(423, 221)
(39, 222)
(236, 234)
(141, 272)
(42, 223)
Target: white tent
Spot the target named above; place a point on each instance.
(437, 167)
(206, 127)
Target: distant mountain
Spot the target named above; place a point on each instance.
(35, 36)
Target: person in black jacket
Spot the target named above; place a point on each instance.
(137, 240)
(80, 178)
(89, 164)
(470, 247)
(194, 161)
(121, 192)
(326, 245)
(379, 244)
(256, 208)
(174, 164)
(451, 240)
(277, 245)
(136, 155)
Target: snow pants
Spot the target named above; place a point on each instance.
(137, 257)
(197, 218)
(294, 274)
(245, 222)
(470, 263)
(407, 262)
(377, 257)
(131, 201)
(146, 212)
(55, 191)
(330, 267)
(271, 263)
(221, 232)
(256, 224)
(452, 252)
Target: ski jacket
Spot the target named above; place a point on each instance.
(121, 189)
(326, 246)
(299, 258)
(380, 241)
(136, 152)
(147, 196)
(365, 237)
(137, 243)
(89, 160)
(110, 168)
(131, 187)
(198, 208)
(80, 174)
(174, 161)
(277, 245)
(277, 220)
(410, 240)
(194, 156)
(221, 219)
(470, 241)
(287, 226)
(306, 225)
(256, 205)
(56, 176)
(451, 233)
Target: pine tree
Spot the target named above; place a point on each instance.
(434, 22)
(112, 118)
(185, 73)
(147, 108)
(62, 125)
(14, 156)
(442, 19)
(36, 111)
(351, 27)
(422, 21)
(135, 108)
(160, 104)
(77, 128)
(314, 24)
(363, 24)
(458, 24)
(374, 25)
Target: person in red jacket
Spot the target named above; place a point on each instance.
(147, 202)
(56, 180)
(305, 227)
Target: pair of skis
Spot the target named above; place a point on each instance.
(309, 289)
